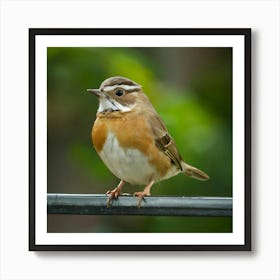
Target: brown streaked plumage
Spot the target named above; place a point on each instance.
(132, 140)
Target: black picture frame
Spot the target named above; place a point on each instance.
(246, 32)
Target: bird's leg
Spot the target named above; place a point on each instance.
(145, 192)
(114, 193)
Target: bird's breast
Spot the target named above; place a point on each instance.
(128, 164)
(126, 146)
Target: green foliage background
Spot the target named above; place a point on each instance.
(191, 88)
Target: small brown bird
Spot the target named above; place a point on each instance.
(132, 140)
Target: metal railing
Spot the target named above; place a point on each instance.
(95, 204)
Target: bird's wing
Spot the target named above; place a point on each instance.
(163, 140)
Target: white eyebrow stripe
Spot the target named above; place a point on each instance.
(125, 87)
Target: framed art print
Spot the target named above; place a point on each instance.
(140, 109)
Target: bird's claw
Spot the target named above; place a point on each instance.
(140, 196)
(112, 195)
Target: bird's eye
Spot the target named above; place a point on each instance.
(119, 92)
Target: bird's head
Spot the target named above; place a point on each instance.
(117, 94)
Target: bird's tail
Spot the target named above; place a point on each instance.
(194, 172)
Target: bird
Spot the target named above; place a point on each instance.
(132, 140)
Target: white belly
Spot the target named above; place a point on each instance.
(127, 164)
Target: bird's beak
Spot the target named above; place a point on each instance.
(96, 92)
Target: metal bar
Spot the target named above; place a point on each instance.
(95, 204)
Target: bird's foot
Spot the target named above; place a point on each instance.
(114, 194)
(140, 196)
(145, 192)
